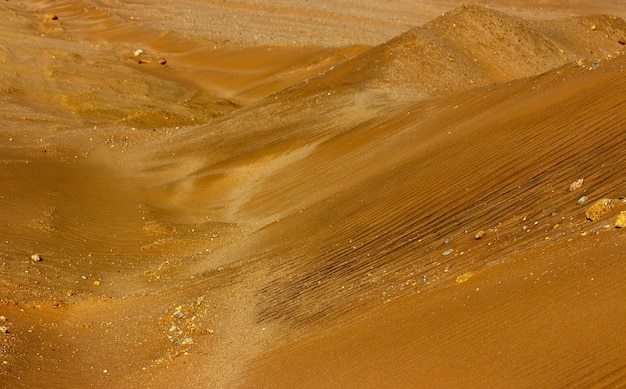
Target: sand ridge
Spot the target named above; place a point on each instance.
(254, 204)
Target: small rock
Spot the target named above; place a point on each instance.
(479, 234)
(621, 220)
(138, 52)
(448, 252)
(599, 208)
(3, 318)
(464, 277)
(4, 330)
(582, 200)
(576, 184)
(52, 17)
(96, 283)
(36, 258)
(186, 340)
(162, 61)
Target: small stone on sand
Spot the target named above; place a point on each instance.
(36, 258)
(621, 220)
(599, 208)
(576, 184)
(464, 277)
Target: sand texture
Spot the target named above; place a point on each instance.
(296, 194)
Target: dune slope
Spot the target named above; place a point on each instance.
(278, 216)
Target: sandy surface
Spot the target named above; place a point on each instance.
(312, 194)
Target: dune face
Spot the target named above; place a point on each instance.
(289, 194)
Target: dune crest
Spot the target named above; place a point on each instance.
(473, 46)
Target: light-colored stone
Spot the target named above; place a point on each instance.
(621, 220)
(576, 184)
(465, 276)
(599, 208)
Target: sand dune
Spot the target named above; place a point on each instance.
(311, 195)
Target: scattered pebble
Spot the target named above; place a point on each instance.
(576, 184)
(582, 200)
(479, 234)
(3, 318)
(4, 330)
(186, 340)
(448, 252)
(621, 220)
(36, 258)
(96, 283)
(52, 17)
(178, 313)
(464, 277)
(138, 52)
(599, 208)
